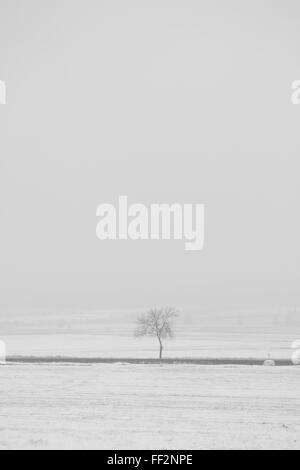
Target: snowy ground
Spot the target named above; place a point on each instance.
(146, 407)
(200, 344)
(198, 334)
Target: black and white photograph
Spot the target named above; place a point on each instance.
(149, 227)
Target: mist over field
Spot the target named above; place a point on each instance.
(198, 334)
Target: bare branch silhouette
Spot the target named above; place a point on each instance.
(158, 323)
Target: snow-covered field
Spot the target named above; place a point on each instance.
(193, 345)
(126, 406)
(198, 334)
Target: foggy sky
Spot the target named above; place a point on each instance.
(162, 101)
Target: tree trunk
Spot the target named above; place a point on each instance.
(160, 349)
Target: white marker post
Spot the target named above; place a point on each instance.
(2, 352)
(296, 353)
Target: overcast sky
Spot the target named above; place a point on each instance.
(162, 101)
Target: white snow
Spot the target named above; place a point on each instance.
(149, 407)
(197, 345)
(110, 334)
(2, 352)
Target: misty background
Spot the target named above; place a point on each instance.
(162, 101)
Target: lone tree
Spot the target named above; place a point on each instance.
(158, 323)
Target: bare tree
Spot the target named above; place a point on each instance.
(158, 323)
